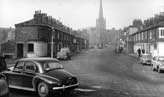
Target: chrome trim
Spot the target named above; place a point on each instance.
(43, 75)
(22, 88)
(64, 87)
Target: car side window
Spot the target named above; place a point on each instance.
(19, 66)
(30, 67)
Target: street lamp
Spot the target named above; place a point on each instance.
(52, 43)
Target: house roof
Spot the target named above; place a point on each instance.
(161, 24)
(29, 22)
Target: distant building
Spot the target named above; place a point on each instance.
(112, 35)
(7, 42)
(7, 34)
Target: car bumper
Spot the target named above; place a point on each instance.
(66, 87)
(162, 68)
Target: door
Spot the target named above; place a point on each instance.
(29, 72)
(20, 50)
(15, 77)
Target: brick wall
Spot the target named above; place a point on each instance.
(23, 34)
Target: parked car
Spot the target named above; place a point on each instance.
(43, 75)
(4, 89)
(64, 53)
(158, 63)
(145, 59)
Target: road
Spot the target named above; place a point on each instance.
(102, 73)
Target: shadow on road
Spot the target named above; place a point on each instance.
(21, 93)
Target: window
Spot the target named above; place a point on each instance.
(146, 36)
(161, 32)
(19, 66)
(30, 67)
(139, 36)
(155, 46)
(58, 35)
(52, 65)
(142, 36)
(30, 47)
(151, 34)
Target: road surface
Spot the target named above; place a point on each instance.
(102, 73)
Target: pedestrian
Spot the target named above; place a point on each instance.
(139, 52)
(143, 51)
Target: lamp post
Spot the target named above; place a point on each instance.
(52, 43)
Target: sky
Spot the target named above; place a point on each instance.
(79, 14)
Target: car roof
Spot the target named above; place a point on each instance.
(39, 59)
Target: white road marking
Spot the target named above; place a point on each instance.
(85, 90)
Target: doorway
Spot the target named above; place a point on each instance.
(20, 50)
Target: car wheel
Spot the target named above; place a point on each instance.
(43, 89)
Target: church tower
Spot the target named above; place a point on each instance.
(100, 22)
(100, 28)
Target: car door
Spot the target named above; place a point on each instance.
(29, 72)
(15, 77)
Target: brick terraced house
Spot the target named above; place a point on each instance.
(151, 39)
(36, 36)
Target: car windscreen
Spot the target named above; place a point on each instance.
(53, 65)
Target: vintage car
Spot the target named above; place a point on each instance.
(145, 59)
(64, 54)
(158, 63)
(4, 89)
(43, 75)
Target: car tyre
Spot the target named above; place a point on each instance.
(43, 89)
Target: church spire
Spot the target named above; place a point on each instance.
(101, 22)
(101, 10)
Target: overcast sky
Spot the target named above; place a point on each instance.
(80, 14)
